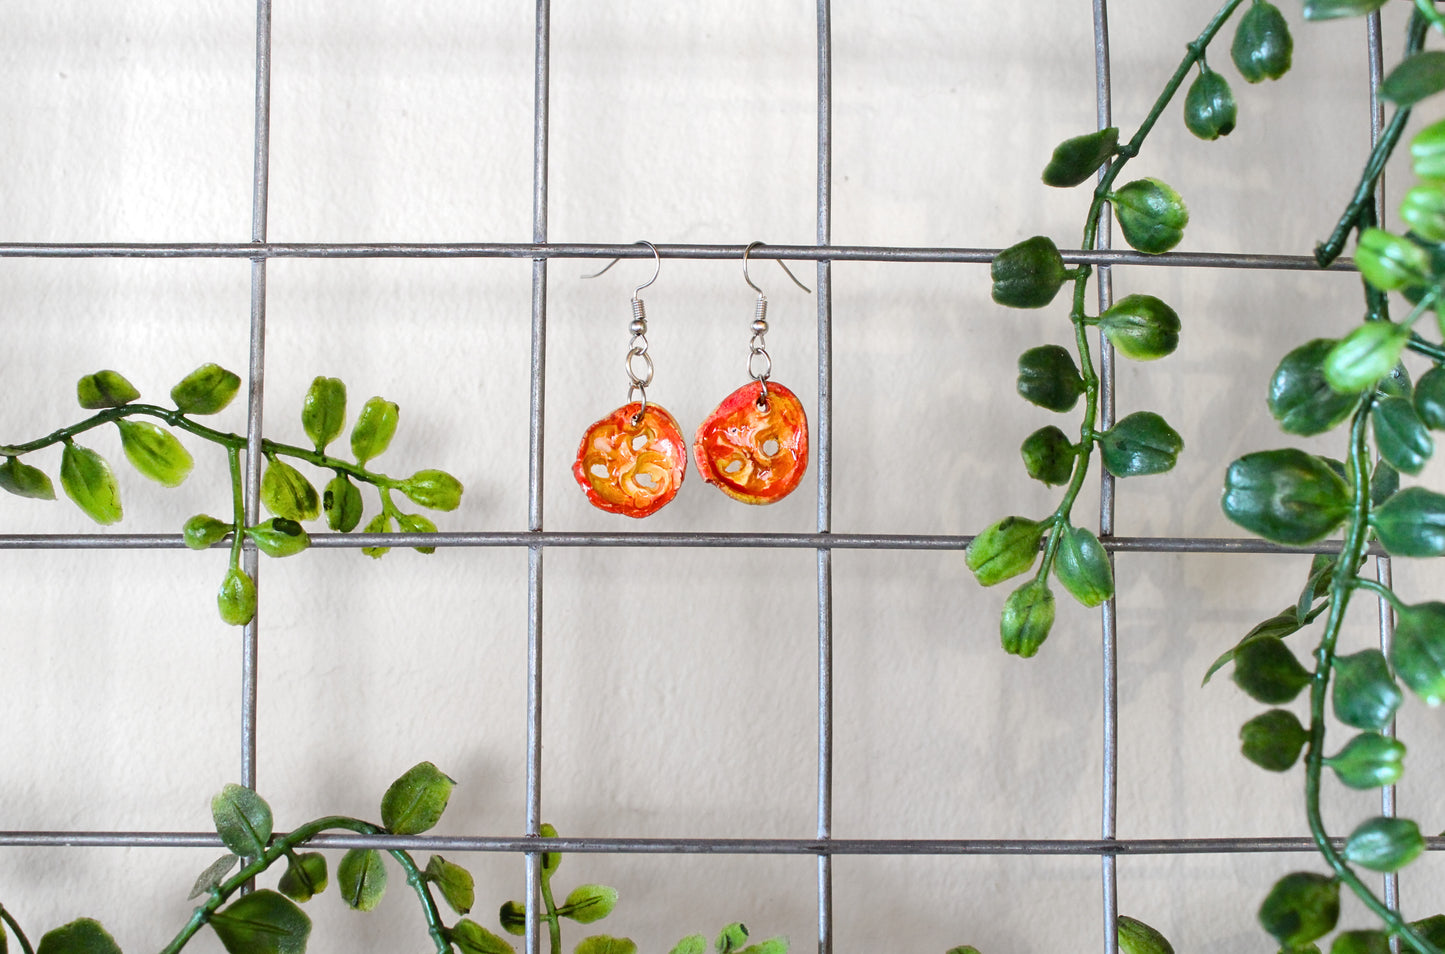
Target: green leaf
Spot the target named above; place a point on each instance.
(1414, 78)
(551, 860)
(1141, 327)
(25, 481)
(243, 820)
(381, 523)
(1136, 937)
(1427, 151)
(323, 411)
(1262, 47)
(965, 949)
(732, 938)
(1151, 215)
(1361, 942)
(1273, 740)
(692, 944)
(203, 530)
(155, 452)
(455, 882)
(588, 903)
(361, 878)
(236, 598)
(1364, 693)
(1028, 615)
(513, 916)
(1423, 209)
(87, 480)
(342, 503)
(212, 877)
(1384, 483)
(416, 523)
(206, 390)
(773, 945)
(1385, 844)
(1431, 929)
(1369, 760)
(1391, 262)
(1430, 398)
(305, 876)
(1400, 435)
(262, 922)
(1004, 550)
(414, 803)
(603, 944)
(286, 493)
(1076, 160)
(82, 936)
(1300, 398)
(1140, 444)
(1300, 908)
(1049, 378)
(1286, 495)
(104, 389)
(1333, 9)
(1029, 274)
(1365, 356)
(1082, 566)
(374, 428)
(1267, 670)
(279, 537)
(1284, 623)
(1317, 587)
(1411, 523)
(433, 489)
(471, 938)
(1418, 652)
(1209, 107)
(1049, 456)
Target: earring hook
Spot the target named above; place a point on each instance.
(657, 256)
(781, 264)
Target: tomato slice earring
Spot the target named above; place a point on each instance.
(754, 447)
(632, 461)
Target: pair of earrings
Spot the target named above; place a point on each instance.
(753, 446)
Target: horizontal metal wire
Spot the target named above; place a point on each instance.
(700, 846)
(832, 253)
(775, 541)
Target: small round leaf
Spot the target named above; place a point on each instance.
(323, 411)
(1414, 78)
(1418, 652)
(82, 936)
(1049, 456)
(1391, 262)
(1273, 740)
(1267, 670)
(588, 903)
(1412, 523)
(1141, 327)
(374, 428)
(1082, 566)
(416, 523)
(414, 803)
(1004, 550)
(1209, 107)
(433, 489)
(286, 493)
(341, 502)
(1364, 693)
(1151, 215)
(87, 479)
(206, 390)
(104, 389)
(1075, 160)
(25, 481)
(1301, 908)
(1029, 274)
(361, 878)
(1286, 495)
(1028, 615)
(1385, 844)
(263, 922)
(1400, 436)
(236, 598)
(305, 876)
(1300, 398)
(1369, 760)
(1141, 443)
(279, 537)
(1262, 47)
(455, 882)
(471, 938)
(243, 820)
(1049, 378)
(1423, 209)
(1430, 398)
(203, 530)
(155, 452)
(1365, 356)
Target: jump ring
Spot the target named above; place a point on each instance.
(642, 389)
(767, 368)
(644, 379)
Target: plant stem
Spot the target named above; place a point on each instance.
(280, 847)
(1345, 582)
(1380, 590)
(238, 505)
(15, 930)
(554, 923)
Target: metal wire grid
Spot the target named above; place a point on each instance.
(1108, 847)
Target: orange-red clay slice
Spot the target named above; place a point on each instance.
(754, 452)
(632, 469)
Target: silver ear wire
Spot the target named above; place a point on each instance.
(640, 377)
(761, 370)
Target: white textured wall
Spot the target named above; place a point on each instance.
(680, 692)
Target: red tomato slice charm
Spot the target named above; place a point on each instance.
(754, 449)
(629, 464)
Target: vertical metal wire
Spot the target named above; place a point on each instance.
(825, 474)
(536, 440)
(1109, 809)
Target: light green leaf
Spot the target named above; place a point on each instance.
(455, 882)
(603, 944)
(202, 530)
(414, 803)
(374, 428)
(305, 876)
(513, 916)
(82, 936)
(342, 503)
(1369, 760)
(1365, 356)
(588, 903)
(279, 537)
(1141, 327)
(416, 523)
(1361, 942)
(1082, 566)
(433, 489)
(25, 481)
(692, 944)
(104, 389)
(87, 480)
(1332, 9)
(1028, 615)
(206, 390)
(323, 412)
(1004, 550)
(155, 452)
(1136, 937)
(1418, 652)
(361, 878)
(263, 922)
(243, 820)
(286, 493)
(471, 938)
(212, 877)
(236, 599)
(731, 938)
(1385, 844)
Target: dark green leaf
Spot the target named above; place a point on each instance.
(202, 530)
(1361, 942)
(1431, 929)
(1384, 483)
(104, 389)
(1284, 623)
(1075, 160)
(1333, 9)
(603, 944)
(1400, 435)
(1364, 693)
(342, 502)
(82, 936)
(1430, 398)
(206, 390)
(1385, 844)
(1049, 378)
(1418, 653)
(1082, 566)
(155, 452)
(1317, 587)
(243, 820)
(1004, 550)
(1300, 398)
(1365, 356)
(1267, 670)
(1262, 47)
(513, 916)
(1048, 455)
(588, 903)
(1286, 495)
(1273, 740)
(212, 877)
(414, 803)
(1369, 760)
(1136, 937)
(361, 878)
(1029, 274)
(471, 938)
(1209, 107)
(732, 938)
(692, 944)
(1301, 908)
(1151, 215)
(279, 537)
(25, 481)
(87, 480)
(1028, 615)
(1423, 209)
(305, 876)
(1141, 327)
(286, 493)
(236, 598)
(323, 411)
(1140, 444)
(455, 882)
(1414, 78)
(1412, 523)
(416, 523)
(433, 489)
(374, 428)
(262, 922)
